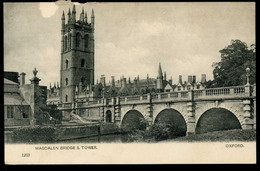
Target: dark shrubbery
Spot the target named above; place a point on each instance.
(157, 132)
(34, 135)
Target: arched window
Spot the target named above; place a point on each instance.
(69, 41)
(67, 64)
(86, 38)
(82, 80)
(67, 81)
(78, 39)
(82, 63)
(66, 98)
(65, 43)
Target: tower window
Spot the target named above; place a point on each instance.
(78, 39)
(82, 63)
(66, 98)
(69, 41)
(86, 41)
(65, 43)
(67, 64)
(67, 81)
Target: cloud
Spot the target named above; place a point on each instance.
(48, 9)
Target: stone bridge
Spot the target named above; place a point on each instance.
(193, 111)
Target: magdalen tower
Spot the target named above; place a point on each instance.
(77, 53)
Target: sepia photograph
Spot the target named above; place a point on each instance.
(129, 82)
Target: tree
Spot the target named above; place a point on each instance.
(231, 70)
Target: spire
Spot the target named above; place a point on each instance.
(82, 15)
(58, 85)
(69, 16)
(92, 19)
(63, 16)
(164, 75)
(74, 9)
(160, 74)
(92, 14)
(73, 19)
(129, 80)
(86, 17)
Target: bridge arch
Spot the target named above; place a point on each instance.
(133, 119)
(217, 119)
(174, 119)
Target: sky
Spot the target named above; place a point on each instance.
(130, 38)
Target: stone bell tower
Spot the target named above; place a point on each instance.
(77, 53)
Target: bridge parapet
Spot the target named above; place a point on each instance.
(222, 92)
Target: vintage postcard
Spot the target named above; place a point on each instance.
(129, 83)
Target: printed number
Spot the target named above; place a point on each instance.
(26, 155)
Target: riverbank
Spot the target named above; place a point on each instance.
(218, 136)
(53, 134)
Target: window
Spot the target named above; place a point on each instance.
(66, 98)
(78, 39)
(69, 41)
(67, 64)
(86, 38)
(67, 81)
(179, 88)
(82, 62)
(10, 111)
(168, 90)
(188, 87)
(198, 86)
(65, 43)
(25, 112)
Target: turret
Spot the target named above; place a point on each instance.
(82, 15)
(92, 19)
(69, 17)
(86, 17)
(73, 16)
(160, 78)
(63, 23)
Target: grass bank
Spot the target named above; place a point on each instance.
(219, 136)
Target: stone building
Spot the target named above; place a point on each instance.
(24, 104)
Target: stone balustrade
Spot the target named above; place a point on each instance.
(210, 93)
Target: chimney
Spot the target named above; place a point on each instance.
(194, 79)
(103, 80)
(180, 79)
(113, 80)
(22, 78)
(124, 82)
(135, 83)
(170, 81)
(189, 79)
(203, 78)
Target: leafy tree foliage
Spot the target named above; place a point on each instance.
(231, 70)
